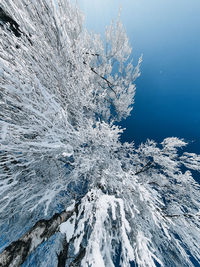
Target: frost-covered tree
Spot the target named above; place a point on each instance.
(71, 194)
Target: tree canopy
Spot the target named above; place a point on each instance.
(72, 194)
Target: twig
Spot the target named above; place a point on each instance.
(103, 78)
(145, 167)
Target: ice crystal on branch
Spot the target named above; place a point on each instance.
(62, 90)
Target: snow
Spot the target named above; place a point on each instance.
(67, 228)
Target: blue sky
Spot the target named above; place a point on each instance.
(167, 33)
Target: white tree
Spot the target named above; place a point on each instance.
(71, 194)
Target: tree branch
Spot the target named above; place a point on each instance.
(78, 258)
(186, 215)
(13, 26)
(107, 81)
(145, 167)
(63, 255)
(102, 77)
(92, 54)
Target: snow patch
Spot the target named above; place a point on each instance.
(67, 227)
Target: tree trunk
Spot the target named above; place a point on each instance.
(18, 251)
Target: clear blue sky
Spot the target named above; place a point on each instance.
(167, 33)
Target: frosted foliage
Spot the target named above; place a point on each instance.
(62, 90)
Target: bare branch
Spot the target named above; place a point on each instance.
(103, 78)
(79, 257)
(63, 255)
(186, 215)
(145, 167)
(92, 54)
